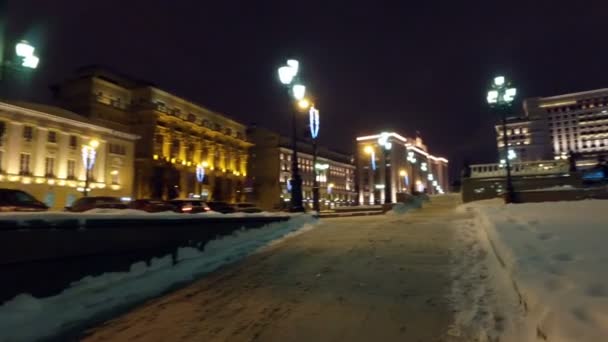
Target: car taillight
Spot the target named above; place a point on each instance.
(207, 208)
(185, 209)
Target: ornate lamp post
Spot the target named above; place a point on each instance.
(287, 76)
(88, 158)
(500, 98)
(313, 114)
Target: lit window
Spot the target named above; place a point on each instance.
(114, 177)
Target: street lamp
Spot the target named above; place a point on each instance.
(500, 98)
(387, 145)
(313, 122)
(288, 75)
(25, 52)
(88, 158)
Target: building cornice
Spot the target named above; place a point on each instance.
(63, 120)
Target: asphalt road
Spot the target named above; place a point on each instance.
(376, 278)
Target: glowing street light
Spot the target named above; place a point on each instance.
(500, 98)
(25, 51)
(304, 104)
(299, 91)
(88, 158)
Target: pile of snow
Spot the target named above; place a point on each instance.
(556, 255)
(26, 318)
(565, 187)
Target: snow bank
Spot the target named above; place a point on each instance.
(26, 318)
(556, 254)
(51, 216)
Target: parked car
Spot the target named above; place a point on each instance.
(152, 206)
(17, 200)
(96, 202)
(221, 207)
(190, 206)
(247, 208)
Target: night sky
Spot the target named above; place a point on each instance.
(402, 66)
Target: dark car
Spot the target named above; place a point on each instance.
(247, 208)
(152, 206)
(17, 200)
(221, 207)
(96, 202)
(190, 206)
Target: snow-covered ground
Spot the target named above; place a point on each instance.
(553, 255)
(25, 318)
(124, 214)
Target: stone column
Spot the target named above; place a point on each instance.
(63, 140)
(14, 141)
(99, 169)
(38, 157)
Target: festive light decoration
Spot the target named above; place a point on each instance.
(200, 173)
(313, 114)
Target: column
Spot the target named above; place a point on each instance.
(99, 168)
(62, 152)
(38, 157)
(14, 140)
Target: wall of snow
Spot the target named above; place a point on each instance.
(26, 318)
(556, 254)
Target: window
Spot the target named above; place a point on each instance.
(118, 149)
(114, 176)
(73, 141)
(24, 164)
(175, 148)
(71, 169)
(52, 137)
(49, 166)
(28, 133)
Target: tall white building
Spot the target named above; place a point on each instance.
(554, 126)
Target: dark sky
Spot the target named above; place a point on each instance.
(371, 65)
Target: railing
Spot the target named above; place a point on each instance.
(543, 167)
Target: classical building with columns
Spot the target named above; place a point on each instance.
(185, 149)
(41, 153)
(405, 161)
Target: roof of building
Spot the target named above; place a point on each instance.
(577, 94)
(60, 115)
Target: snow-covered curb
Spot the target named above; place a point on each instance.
(555, 255)
(25, 318)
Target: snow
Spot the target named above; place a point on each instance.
(22, 217)
(555, 255)
(26, 318)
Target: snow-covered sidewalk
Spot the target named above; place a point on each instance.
(555, 255)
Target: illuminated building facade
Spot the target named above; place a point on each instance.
(270, 170)
(411, 168)
(554, 126)
(41, 153)
(178, 137)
